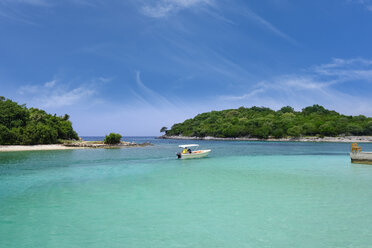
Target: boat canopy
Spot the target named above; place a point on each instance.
(187, 146)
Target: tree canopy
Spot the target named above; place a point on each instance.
(112, 138)
(163, 129)
(261, 122)
(20, 125)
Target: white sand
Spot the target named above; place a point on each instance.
(36, 148)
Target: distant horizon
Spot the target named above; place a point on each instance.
(132, 67)
(157, 135)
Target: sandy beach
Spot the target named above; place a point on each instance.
(36, 148)
(346, 139)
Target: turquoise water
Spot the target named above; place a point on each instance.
(246, 194)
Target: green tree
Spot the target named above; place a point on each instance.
(20, 125)
(12, 114)
(6, 138)
(368, 128)
(309, 129)
(354, 129)
(294, 131)
(315, 109)
(112, 139)
(327, 129)
(278, 133)
(287, 109)
(163, 129)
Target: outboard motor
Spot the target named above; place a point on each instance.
(179, 155)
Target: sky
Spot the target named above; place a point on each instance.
(134, 66)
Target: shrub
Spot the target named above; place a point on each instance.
(112, 138)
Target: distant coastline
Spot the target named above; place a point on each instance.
(341, 139)
(260, 123)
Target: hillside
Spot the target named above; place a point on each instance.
(20, 125)
(263, 123)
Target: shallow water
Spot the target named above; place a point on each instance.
(246, 194)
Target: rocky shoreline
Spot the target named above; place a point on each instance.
(342, 139)
(93, 144)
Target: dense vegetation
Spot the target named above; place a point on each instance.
(260, 122)
(29, 126)
(112, 138)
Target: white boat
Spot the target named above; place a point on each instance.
(187, 153)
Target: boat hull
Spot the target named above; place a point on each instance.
(361, 157)
(195, 154)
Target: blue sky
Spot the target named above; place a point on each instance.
(133, 66)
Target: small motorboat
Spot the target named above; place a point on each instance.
(188, 153)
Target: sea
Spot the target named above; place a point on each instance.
(245, 194)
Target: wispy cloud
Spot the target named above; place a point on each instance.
(342, 70)
(13, 10)
(163, 8)
(67, 98)
(56, 93)
(50, 3)
(30, 2)
(366, 3)
(268, 26)
(315, 85)
(148, 96)
(19, 10)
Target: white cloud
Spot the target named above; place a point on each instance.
(319, 85)
(28, 89)
(67, 98)
(342, 70)
(50, 84)
(164, 8)
(56, 93)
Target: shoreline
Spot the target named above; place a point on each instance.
(343, 139)
(22, 148)
(78, 145)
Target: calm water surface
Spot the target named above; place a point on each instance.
(246, 194)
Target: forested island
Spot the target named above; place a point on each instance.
(29, 129)
(264, 123)
(20, 125)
